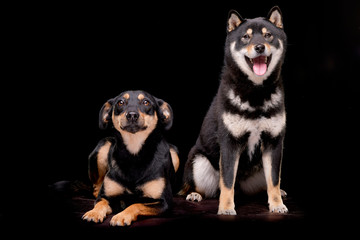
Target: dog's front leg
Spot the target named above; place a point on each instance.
(272, 165)
(99, 212)
(131, 213)
(229, 160)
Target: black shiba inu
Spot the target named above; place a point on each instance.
(133, 170)
(241, 138)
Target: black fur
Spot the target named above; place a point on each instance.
(262, 100)
(129, 169)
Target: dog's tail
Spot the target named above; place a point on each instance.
(70, 188)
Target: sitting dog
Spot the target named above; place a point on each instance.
(241, 138)
(133, 170)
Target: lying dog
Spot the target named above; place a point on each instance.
(133, 170)
(241, 138)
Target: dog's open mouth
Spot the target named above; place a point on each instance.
(259, 64)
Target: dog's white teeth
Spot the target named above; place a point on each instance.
(251, 60)
(266, 60)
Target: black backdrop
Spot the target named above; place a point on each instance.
(79, 55)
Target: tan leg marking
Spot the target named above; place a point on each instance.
(175, 159)
(112, 188)
(132, 212)
(99, 212)
(226, 200)
(102, 164)
(274, 193)
(153, 188)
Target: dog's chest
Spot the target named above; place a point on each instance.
(238, 123)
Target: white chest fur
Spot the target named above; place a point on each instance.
(237, 125)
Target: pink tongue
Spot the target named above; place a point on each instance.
(259, 66)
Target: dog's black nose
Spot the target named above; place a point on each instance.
(132, 116)
(260, 48)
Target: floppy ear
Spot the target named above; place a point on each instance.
(105, 114)
(234, 20)
(275, 17)
(165, 113)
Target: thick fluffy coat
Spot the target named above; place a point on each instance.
(241, 138)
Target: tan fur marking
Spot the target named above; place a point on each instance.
(102, 164)
(226, 200)
(264, 30)
(249, 48)
(175, 159)
(274, 193)
(141, 96)
(151, 121)
(106, 109)
(126, 96)
(154, 188)
(119, 120)
(134, 141)
(112, 188)
(132, 212)
(249, 31)
(165, 110)
(99, 212)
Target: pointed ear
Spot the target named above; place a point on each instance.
(105, 114)
(234, 20)
(165, 113)
(275, 17)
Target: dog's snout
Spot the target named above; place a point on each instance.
(132, 116)
(260, 48)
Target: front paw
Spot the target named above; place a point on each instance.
(278, 208)
(94, 216)
(122, 219)
(226, 212)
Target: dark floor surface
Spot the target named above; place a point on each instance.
(184, 219)
(57, 215)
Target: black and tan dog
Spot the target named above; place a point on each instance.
(133, 170)
(241, 139)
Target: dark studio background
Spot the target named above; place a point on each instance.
(88, 53)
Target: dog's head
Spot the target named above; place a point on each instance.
(134, 112)
(257, 45)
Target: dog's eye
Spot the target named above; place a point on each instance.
(267, 35)
(246, 37)
(121, 103)
(146, 102)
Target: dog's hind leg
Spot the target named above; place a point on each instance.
(98, 164)
(205, 177)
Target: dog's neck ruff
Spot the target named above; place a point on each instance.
(239, 58)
